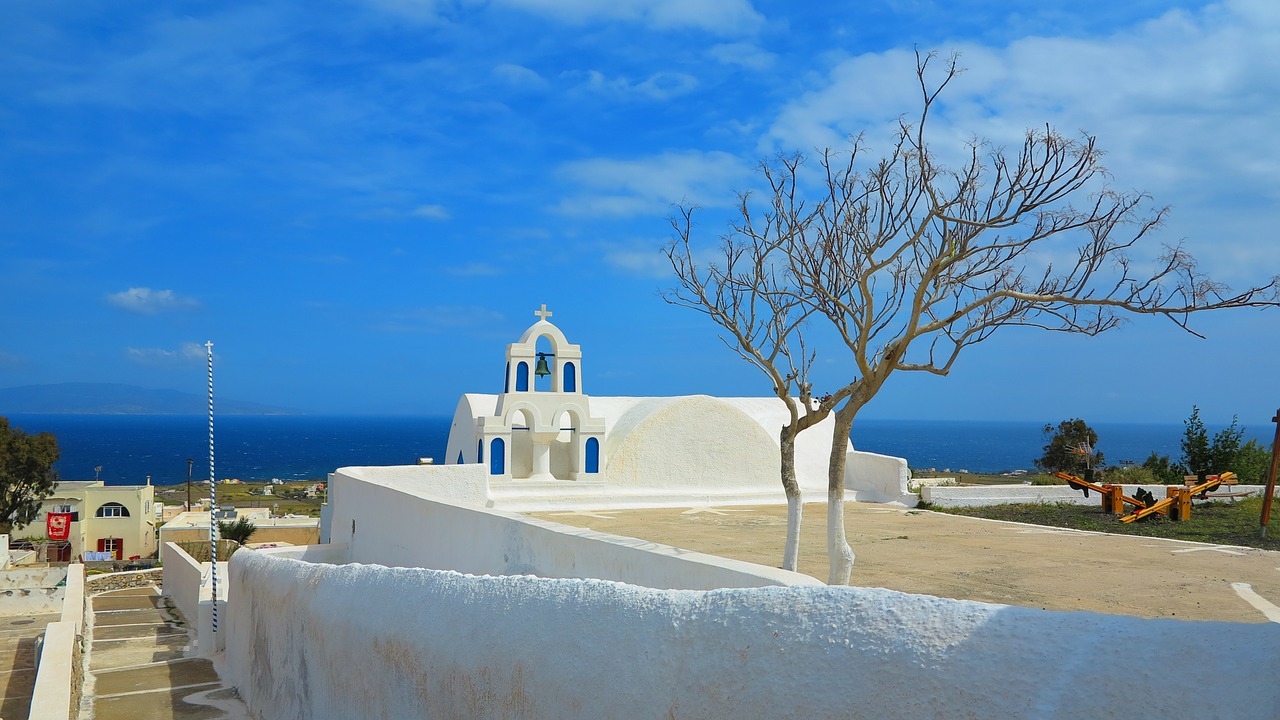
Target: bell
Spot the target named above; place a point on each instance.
(542, 370)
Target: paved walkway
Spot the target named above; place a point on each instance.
(18, 634)
(920, 551)
(139, 666)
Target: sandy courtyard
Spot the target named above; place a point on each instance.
(933, 553)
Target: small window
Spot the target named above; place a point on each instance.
(497, 457)
(570, 378)
(112, 510)
(593, 455)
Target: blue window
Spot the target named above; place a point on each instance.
(506, 385)
(570, 378)
(480, 451)
(459, 457)
(497, 456)
(593, 455)
(522, 377)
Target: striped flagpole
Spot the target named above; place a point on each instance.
(213, 494)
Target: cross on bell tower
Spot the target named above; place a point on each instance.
(544, 313)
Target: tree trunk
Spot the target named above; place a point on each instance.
(839, 553)
(795, 505)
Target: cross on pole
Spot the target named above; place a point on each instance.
(544, 313)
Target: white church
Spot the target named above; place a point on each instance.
(545, 442)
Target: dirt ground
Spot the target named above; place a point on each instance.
(919, 551)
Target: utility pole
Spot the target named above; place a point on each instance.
(1271, 476)
(190, 462)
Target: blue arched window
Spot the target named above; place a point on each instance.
(506, 384)
(459, 457)
(593, 455)
(480, 450)
(497, 456)
(570, 377)
(522, 377)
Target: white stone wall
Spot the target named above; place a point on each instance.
(370, 641)
(397, 522)
(979, 495)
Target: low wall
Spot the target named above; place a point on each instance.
(32, 591)
(182, 580)
(391, 523)
(877, 478)
(190, 585)
(323, 641)
(58, 670)
(43, 577)
(55, 687)
(73, 598)
(978, 495)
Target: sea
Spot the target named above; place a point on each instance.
(128, 449)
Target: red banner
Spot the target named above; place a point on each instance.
(59, 526)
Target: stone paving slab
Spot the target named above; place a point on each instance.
(193, 671)
(135, 631)
(137, 651)
(159, 705)
(129, 617)
(127, 602)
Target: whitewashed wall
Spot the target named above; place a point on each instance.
(370, 641)
(396, 522)
(182, 579)
(190, 585)
(975, 496)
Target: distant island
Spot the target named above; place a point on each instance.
(120, 399)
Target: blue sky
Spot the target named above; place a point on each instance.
(360, 202)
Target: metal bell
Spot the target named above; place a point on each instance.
(542, 370)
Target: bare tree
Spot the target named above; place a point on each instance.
(754, 300)
(911, 260)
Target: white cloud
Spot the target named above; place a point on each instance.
(746, 55)
(188, 354)
(433, 212)
(644, 259)
(721, 17)
(653, 184)
(519, 76)
(658, 86)
(146, 301)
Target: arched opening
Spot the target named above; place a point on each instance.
(112, 509)
(570, 377)
(480, 451)
(506, 380)
(592, 460)
(522, 377)
(544, 348)
(459, 457)
(497, 457)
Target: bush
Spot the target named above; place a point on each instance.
(1072, 448)
(1132, 475)
(1163, 470)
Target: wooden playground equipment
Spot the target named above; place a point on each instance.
(1177, 506)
